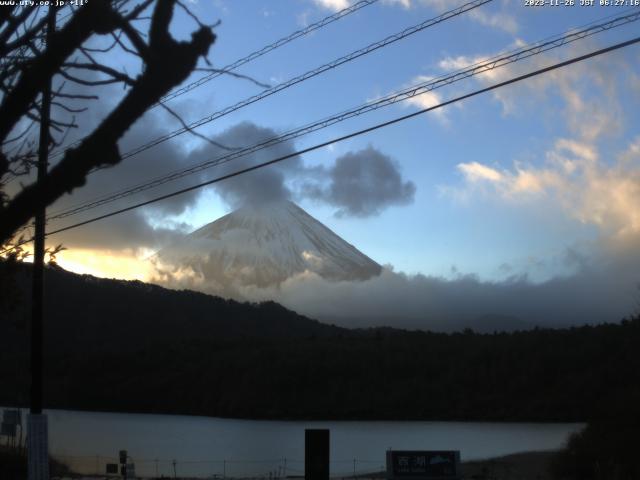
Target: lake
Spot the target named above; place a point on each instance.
(204, 446)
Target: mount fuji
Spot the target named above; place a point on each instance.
(262, 246)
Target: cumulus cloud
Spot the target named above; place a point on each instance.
(259, 186)
(589, 189)
(498, 20)
(592, 187)
(591, 296)
(590, 179)
(360, 184)
(132, 229)
(601, 190)
(363, 183)
(334, 5)
(502, 19)
(427, 99)
(603, 289)
(402, 3)
(151, 226)
(519, 180)
(575, 86)
(475, 172)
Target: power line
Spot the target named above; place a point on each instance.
(306, 76)
(264, 50)
(252, 56)
(310, 74)
(339, 139)
(475, 69)
(355, 134)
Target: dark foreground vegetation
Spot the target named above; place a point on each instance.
(607, 449)
(128, 346)
(13, 464)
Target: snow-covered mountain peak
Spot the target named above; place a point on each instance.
(265, 245)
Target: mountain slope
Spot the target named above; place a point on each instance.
(124, 315)
(133, 347)
(263, 246)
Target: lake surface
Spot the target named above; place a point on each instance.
(204, 446)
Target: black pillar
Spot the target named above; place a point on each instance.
(316, 454)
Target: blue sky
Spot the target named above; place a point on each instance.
(530, 182)
(450, 223)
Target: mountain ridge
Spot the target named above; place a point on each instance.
(184, 352)
(262, 246)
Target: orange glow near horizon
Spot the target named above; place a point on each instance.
(125, 265)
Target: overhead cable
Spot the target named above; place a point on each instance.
(353, 134)
(405, 94)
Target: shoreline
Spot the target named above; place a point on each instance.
(533, 465)
(25, 409)
(529, 465)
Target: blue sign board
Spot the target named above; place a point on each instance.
(423, 464)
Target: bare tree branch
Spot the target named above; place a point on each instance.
(24, 39)
(96, 16)
(105, 49)
(69, 109)
(138, 10)
(193, 17)
(117, 76)
(135, 39)
(13, 24)
(235, 75)
(194, 133)
(90, 83)
(20, 135)
(167, 64)
(76, 96)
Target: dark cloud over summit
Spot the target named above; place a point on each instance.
(359, 184)
(364, 183)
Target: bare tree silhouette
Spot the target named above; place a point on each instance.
(27, 64)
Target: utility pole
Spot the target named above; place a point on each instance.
(38, 436)
(124, 457)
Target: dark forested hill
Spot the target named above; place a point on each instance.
(116, 314)
(129, 346)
